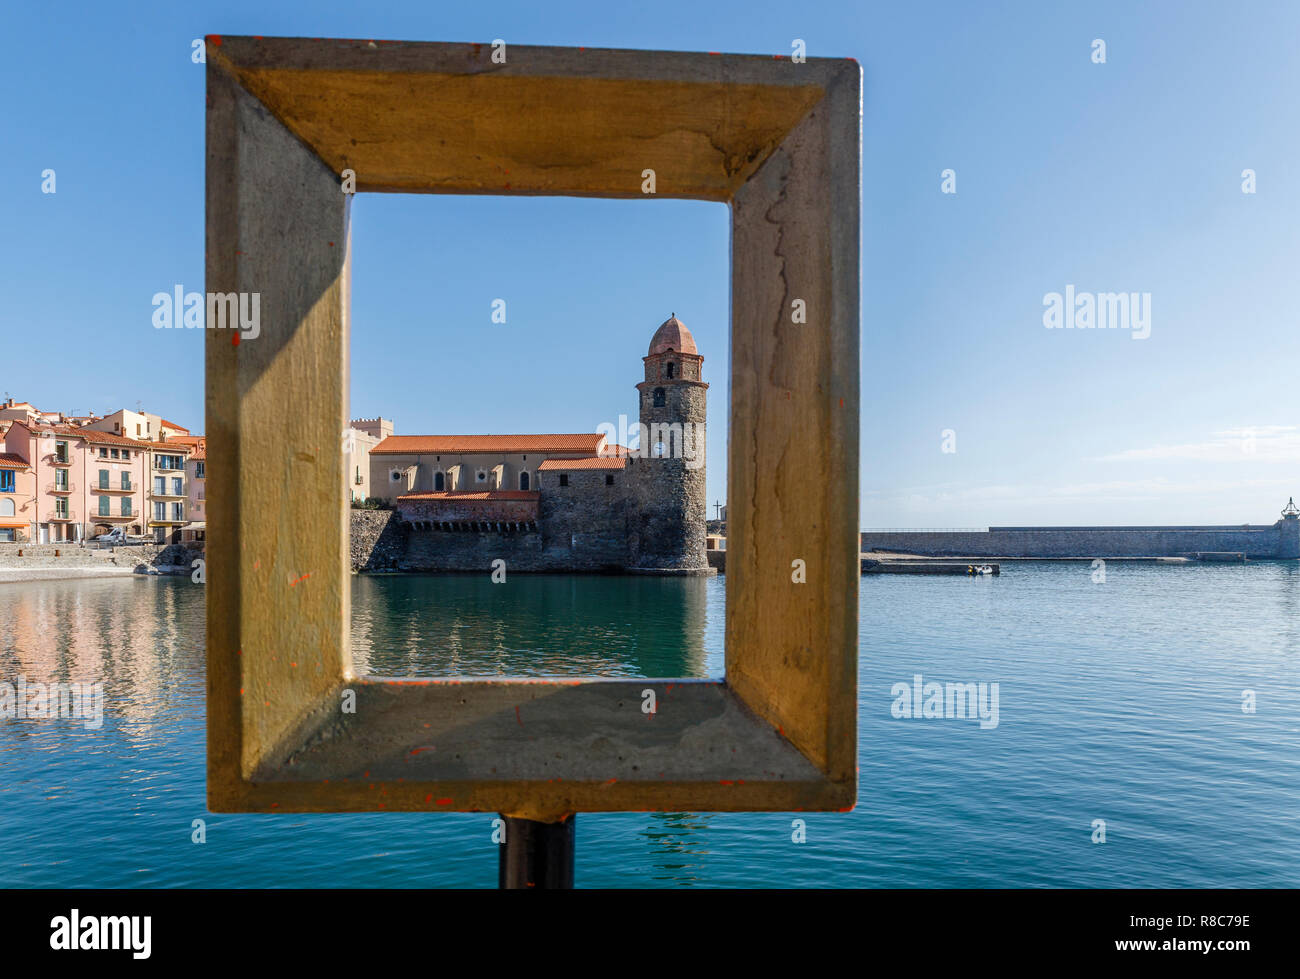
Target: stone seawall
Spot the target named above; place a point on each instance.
(40, 562)
(378, 541)
(525, 552)
(577, 540)
(469, 551)
(1255, 541)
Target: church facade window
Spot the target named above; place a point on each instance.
(523, 479)
(659, 398)
(439, 482)
(670, 369)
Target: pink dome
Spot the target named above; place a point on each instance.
(672, 335)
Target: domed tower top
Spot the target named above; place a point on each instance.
(672, 336)
(673, 355)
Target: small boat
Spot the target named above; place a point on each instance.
(979, 569)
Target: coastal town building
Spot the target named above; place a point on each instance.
(195, 529)
(69, 483)
(139, 425)
(359, 440)
(12, 411)
(17, 493)
(168, 493)
(62, 481)
(555, 502)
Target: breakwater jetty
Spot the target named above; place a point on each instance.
(1278, 540)
(927, 566)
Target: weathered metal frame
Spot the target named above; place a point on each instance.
(780, 142)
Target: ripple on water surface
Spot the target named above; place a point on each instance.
(1120, 701)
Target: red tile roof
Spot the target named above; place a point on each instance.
(494, 444)
(12, 460)
(109, 438)
(197, 444)
(92, 435)
(604, 462)
(164, 423)
(475, 496)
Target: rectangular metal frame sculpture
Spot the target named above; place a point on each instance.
(780, 142)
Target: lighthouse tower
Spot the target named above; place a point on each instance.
(668, 479)
(1288, 542)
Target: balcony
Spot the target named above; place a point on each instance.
(114, 517)
(67, 516)
(102, 488)
(65, 490)
(168, 496)
(167, 467)
(53, 459)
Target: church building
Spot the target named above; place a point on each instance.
(563, 502)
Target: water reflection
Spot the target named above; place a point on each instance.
(1288, 600)
(676, 842)
(533, 625)
(141, 637)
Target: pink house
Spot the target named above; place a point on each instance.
(77, 482)
(17, 495)
(196, 479)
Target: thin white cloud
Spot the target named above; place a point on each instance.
(1259, 443)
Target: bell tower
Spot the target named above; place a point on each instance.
(670, 524)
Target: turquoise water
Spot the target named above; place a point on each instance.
(1119, 701)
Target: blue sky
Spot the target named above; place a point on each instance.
(1122, 176)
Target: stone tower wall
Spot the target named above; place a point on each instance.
(1288, 538)
(669, 511)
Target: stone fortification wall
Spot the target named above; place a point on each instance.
(1255, 541)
